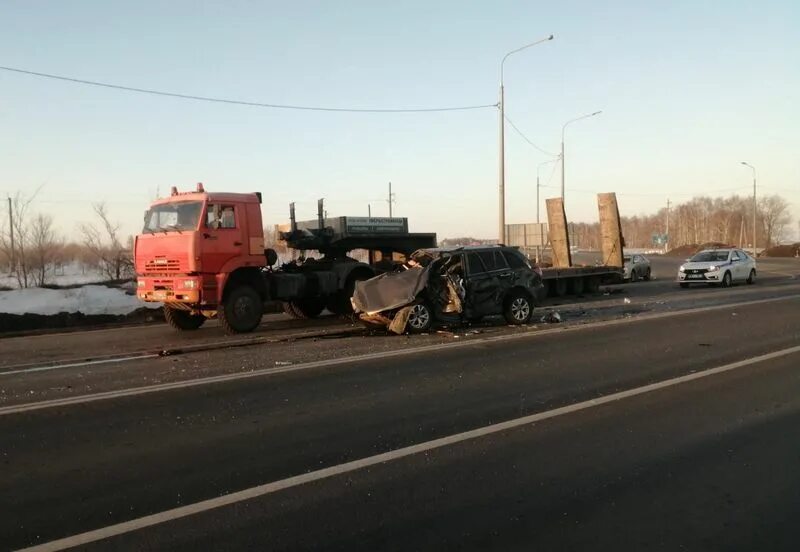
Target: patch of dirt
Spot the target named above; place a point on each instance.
(22, 323)
(690, 249)
(792, 250)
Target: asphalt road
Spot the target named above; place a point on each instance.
(704, 464)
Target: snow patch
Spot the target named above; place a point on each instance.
(88, 300)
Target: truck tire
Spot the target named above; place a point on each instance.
(308, 308)
(577, 285)
(241, 310)
(340, 302)
(518, 308)
(182, 320)
(288, 308)
(560, 287)
(593, 284)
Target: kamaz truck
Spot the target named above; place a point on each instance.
(202, 255)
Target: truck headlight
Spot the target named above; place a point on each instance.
(189, 284)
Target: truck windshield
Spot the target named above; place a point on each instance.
(170, 217)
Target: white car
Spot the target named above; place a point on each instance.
(718, 267)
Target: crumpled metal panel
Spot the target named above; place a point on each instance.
(390, 290)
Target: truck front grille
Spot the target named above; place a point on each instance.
(162, 265)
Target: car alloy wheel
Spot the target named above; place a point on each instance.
(419, 319)
(520, 309)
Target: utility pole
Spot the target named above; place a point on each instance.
(755, 207)
(11, 232)
(666, 240)
(390, 200)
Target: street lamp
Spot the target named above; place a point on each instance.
(755, 207)
(563, 130)
(502, 233)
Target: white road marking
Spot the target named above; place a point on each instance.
(329, 363)
(275, 486)
(77, 364)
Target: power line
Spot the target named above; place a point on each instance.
(242, 102)
(526, 138)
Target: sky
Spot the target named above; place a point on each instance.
(688, 90)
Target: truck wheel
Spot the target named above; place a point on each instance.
(561, 287)
(182, 320)
(593, 284)
(340, 303)
(241, 311)
(308, 308)
(518, 308)
(288, 308)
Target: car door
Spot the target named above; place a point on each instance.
(737, 266)
(481, 287)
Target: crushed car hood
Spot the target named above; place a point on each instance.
(390, 290)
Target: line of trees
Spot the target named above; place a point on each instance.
(39, 251)
(701, 220)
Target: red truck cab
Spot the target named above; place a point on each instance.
(192, 245)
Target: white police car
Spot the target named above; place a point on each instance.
(718, 267)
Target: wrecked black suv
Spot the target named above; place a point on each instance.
(450, 286)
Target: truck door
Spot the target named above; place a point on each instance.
(222, 237)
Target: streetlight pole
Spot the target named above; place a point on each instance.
(538, 177)
(502, 226)
(563, 131)
(755, 206)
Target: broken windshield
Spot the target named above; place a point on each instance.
(173, 216)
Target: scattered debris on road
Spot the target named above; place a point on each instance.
(551, 318)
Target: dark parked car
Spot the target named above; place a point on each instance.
(451, 286)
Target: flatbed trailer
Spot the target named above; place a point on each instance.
(576, 280)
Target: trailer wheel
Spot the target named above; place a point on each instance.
(560, 287)
(183, 320)
(241, 310)
(593, 284)
(308, 308)
(577, 286)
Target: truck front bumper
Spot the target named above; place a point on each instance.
(168, 290)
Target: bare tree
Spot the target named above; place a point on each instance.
(103, 241)
(43, 249)
(18, 256)
(775, 215)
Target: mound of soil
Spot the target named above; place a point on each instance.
(692, 248)
(792, 250)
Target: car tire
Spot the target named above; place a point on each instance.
(727, 280)
(751, 279)
(647, 275)
(684, 285)
(241, 310)
(518, 308)
(182, 320)
(420, 319)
